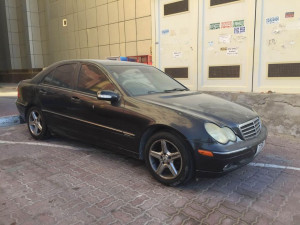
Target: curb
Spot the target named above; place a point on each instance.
(9, 94)
(6, 121)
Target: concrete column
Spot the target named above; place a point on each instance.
(34, 33)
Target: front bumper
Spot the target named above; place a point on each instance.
(229, 157)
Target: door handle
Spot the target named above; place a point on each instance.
(75, 99)
(42, 91)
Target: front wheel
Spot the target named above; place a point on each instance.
(37, 124)
(169, 159)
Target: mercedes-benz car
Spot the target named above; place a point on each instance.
(140, 111)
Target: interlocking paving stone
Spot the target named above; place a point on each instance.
(52, 185)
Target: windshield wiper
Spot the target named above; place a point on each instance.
(153, 92)
(176, 89)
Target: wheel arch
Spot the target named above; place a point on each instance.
(29, 106)
(160, 128)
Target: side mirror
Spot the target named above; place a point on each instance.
(108, 96)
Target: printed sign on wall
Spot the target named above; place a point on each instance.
(238, 23)
(272, 20)
(177, 54)
(239, 30)
(214, 26)
(164, 32)
(289, 14)
(227, 24)
(232, 51)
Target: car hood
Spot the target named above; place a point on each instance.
(201, 105)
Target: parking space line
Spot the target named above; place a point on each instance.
(45, 144)
(265, 165)
(273, 166)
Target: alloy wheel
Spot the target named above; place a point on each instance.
(35, 123)
(165, 159)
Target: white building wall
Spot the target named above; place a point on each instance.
(230, 45)
(177, 44)
(277, 45)
(227, 38)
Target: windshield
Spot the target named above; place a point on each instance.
(144, 80)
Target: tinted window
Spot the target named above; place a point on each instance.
(91, 80)
(48, 78)
(62, 76)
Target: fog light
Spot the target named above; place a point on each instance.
(206, 153)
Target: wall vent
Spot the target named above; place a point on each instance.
(176, 7)
(179, 72)
(224, 71)
(219, 2)
(284, 70)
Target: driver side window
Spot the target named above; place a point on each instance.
(91, 79)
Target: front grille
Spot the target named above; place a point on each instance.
(250, 129)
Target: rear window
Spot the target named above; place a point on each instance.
(62, 76)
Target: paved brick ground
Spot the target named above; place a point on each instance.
(8, 106)
(83, 185)
(8, 97)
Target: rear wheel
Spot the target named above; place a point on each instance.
(168, 159)
(36, 124)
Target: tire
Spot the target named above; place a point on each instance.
(36, 124)
(169, 159)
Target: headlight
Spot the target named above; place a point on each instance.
(229, 133)
(221, 135)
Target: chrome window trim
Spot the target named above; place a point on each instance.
(56, 87)
(69, 90)
(95, 124)
(85, 94)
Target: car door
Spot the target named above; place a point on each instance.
(101, 121)
(55, 93)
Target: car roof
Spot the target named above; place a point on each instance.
(103, 62)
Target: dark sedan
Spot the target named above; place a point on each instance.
(140, 111)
